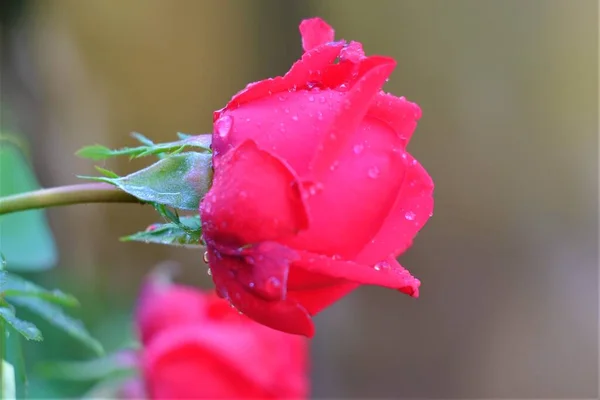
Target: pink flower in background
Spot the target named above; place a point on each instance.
(195, 346)
(314, 192)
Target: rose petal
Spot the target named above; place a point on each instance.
(353, 52)
(159, 308)
(411, 210)
(265, 271)
(388, 273)
(254, 198)
(284, 315)
(353, 110)
(315, 32)
(176, 358)
(305, 70)
(315, 300)
(352, 198)
(401, 115)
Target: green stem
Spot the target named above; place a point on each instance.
(65, 195)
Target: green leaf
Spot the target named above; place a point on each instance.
(14, 355)
(142, 139)
(117, 364)
(106, 172)
(27, 329)
(99, 152)
(8, 381)
(178, 181)
(57, 317)
(17, 286)
(187, 233)
(25, 238)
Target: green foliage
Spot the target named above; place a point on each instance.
(179, 181)
(25, 238)
(57, 317)
(186, 231)
(198, 143)
(113, 365)
(17, 286)
(27, 329)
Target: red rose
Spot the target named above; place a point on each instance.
(195, 346)
(314, 192)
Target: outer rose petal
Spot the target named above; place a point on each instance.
(412, 209)
(254, 198)
(315, 300)
(262, 268)
(350, 201)
(349, 116)
(283, 315)
(401, 115)
(305, 70)
(387, 273)
(314, 32)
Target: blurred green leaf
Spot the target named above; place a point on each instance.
(106, 172)
(99, 152)
(17, 286)
(187, 233)
(57, 317)
(27, 329)
(178, 181)
(117, 364)
(25, 238)
(14, 355)
(8, 381)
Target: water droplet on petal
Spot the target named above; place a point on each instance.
(343, 87)
(223, 126)
(382, 265)
(273, 285)
(319, 115)
(334, 165)
(311, 98)
(209, 272)
(251, 284)
(281, 98)
(373, 172)
(286, 110)
(205, 257)
(294, 117)
(358, 148)
(410, 216)
(315, 188)
(222, 292)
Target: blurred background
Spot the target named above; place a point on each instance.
(509, 93)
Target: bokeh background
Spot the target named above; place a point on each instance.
(509, 92)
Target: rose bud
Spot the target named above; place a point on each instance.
(314, 192)
(195, 346)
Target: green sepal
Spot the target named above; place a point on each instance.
(188, 233)
(197, 143)
(179, 181)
